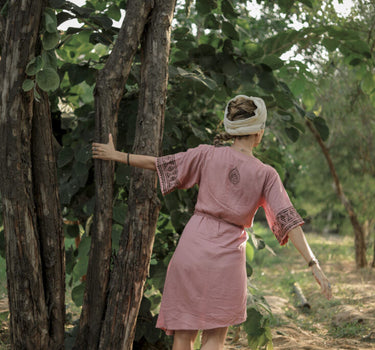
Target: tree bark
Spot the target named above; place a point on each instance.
(359, 237)
(132, 263)
(28, 310)
(49, 219)
(108, 93)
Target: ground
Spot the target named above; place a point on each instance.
(347, 322)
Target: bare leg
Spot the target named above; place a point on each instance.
(214, 339)
(184, 340)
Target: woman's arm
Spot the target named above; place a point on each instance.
(298, 238)
(107, 151)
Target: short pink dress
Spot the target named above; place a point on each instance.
(206, 283)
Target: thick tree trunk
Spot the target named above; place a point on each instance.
(131, 266)
(359, 237)
(28, 310)
(108, 93)
(49, 219)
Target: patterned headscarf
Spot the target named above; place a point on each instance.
(249, 125)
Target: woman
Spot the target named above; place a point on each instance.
(206, 285)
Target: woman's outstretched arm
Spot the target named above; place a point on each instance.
(298, 238)
(107, 151)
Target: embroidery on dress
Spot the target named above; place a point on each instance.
(168, 171)
(234, 176)
(285, 220)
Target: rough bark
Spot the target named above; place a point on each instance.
(108, 93)
(49, 219)
(359, 237)
(28, 311)
(131, 266)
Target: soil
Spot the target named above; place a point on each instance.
(353, 306)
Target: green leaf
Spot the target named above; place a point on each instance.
(180, 33)
(228, 10)
(77, 74)
(253, 50)
(50, 20)
(49, 59)
(253, 324)
(330, 44)
(292, 133)
(229, 30)
(34, 66)
(285, 5)
(283, 100)
(78, 293)
(48, 79)
(65, 156)
(249, 252)
(368, 83)
(258, 241)
(211, 22)
(204, 7)
(307, 3)
(266, 80)
(50, 40)
(57, 4)
(321, 126)
(103, 21)
(99, 38)
(72, 231)
(273, 61)
(249, 270)
(119, 213)
(27, 85)
(114, 12)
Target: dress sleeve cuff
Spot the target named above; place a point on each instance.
(167, 171)
(285, 221)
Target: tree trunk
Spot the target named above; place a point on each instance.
(108, 93)
(359, 237)
(132, 263)
(28, 310)
(49, 219)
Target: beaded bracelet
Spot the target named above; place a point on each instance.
(128, 160)
(313, 261)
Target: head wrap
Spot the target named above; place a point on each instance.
(249, 125)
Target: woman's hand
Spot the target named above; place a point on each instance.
(322, 280)
(105, 151)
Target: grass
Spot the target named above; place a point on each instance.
(275, 275)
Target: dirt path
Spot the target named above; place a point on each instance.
(346, 322)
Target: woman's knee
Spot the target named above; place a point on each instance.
(184, 339)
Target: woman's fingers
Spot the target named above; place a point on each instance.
(323, 282)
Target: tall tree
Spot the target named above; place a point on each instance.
(135, 251)
(31, 209)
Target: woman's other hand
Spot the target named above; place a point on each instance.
(322, 281)
(105, 151)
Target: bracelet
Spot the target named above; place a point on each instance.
(128, 160)
(313, 261)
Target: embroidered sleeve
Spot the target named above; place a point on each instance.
(280, 212)
(168, 173)
(286, 220)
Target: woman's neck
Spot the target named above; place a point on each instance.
(244, 145)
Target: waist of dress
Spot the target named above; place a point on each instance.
(213, 217)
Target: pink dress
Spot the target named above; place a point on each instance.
(206, 283)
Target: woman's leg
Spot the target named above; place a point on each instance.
(184, 340)
(214, 339)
